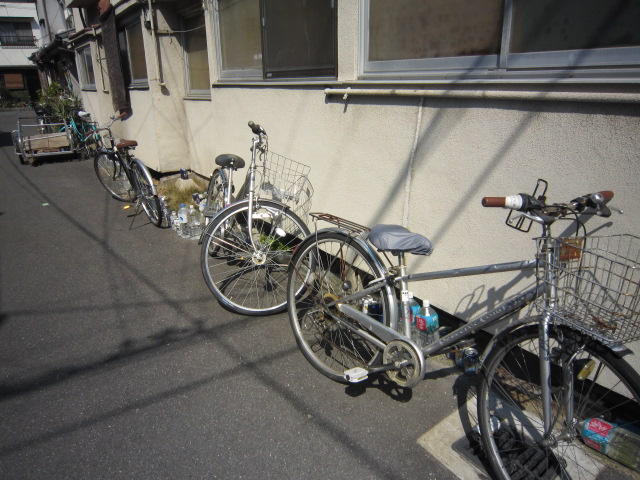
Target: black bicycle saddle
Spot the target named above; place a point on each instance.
(230, 160)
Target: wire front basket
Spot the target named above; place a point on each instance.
(286, 181)
(598, 284)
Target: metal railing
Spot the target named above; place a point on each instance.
(17, 40)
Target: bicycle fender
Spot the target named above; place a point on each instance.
(618, 351)
(147, 175)
(517, 325)
(267, 203)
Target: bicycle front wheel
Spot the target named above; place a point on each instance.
(325, 268)
(149, 200)
(112, 176)
(244, 279)
(585, 376)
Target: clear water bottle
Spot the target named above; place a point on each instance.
(165, 211)
(613, 440)
(427, 324)
(183, 221)
(174, 221)
(195, 222)
(414, 308)
(203, 218)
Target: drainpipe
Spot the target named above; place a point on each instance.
(156, 48)
(409, 178)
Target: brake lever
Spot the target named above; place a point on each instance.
(541, 218)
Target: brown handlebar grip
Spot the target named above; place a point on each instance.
(606, 194)
(493, 201)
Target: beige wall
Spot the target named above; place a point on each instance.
(360, 151)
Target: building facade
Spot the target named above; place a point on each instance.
(407, 111)
(19, 38)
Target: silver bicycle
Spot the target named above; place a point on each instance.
(541, 379)
(247, 245)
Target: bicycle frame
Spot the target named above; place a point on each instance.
(490, 318)
(247, 192)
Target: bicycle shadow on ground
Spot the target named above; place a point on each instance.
(469, 446)
(382, 383)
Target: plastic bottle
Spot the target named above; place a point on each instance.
(615, 441)
(414, 308)
(195, 223)
(203, 218)
(165, 211)
(174, 220)
(427, 324)
(183, 221)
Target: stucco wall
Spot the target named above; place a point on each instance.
(361, 150)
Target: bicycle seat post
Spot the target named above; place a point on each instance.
(404, 289)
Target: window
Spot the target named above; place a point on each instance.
(12, 81)
(85, 68)
(277, 38)
(196, 56)
(16, 34)
(457, 39)
(131, 43)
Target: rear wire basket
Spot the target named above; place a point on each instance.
(598, 282)
(286, 181)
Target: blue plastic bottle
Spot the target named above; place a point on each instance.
(427, 324)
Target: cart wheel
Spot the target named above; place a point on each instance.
(21, 158)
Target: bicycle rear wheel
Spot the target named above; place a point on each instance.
(216, 191)
(113, 177)
(325, 268)
(244, 280)
(510, 406)
(149, 200)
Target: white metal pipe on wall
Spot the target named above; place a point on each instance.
(604, 97)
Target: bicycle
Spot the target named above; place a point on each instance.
(86, 138)
(124, 176)
(283, 179)
(247, 244)
(540, 379)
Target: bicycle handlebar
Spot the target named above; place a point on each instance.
(107, 125)
(527, 203)
(257, 129)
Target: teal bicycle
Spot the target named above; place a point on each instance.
(86, 140)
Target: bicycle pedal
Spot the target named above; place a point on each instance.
(356, 374)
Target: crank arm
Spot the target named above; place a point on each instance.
(384, 368)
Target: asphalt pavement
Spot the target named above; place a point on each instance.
(117, 362)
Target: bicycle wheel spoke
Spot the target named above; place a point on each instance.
(323, 271)
(245, 262)
(510, 392)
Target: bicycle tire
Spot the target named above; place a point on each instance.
(509, 406)
(149, 200)
(322, 267)
(113, 177)
(216, 191)
(241, 280)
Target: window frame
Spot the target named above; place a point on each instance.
(123, 28)
(191, 92)
(251, 75)
(21, 41)
(81, 60)
(615, 64)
